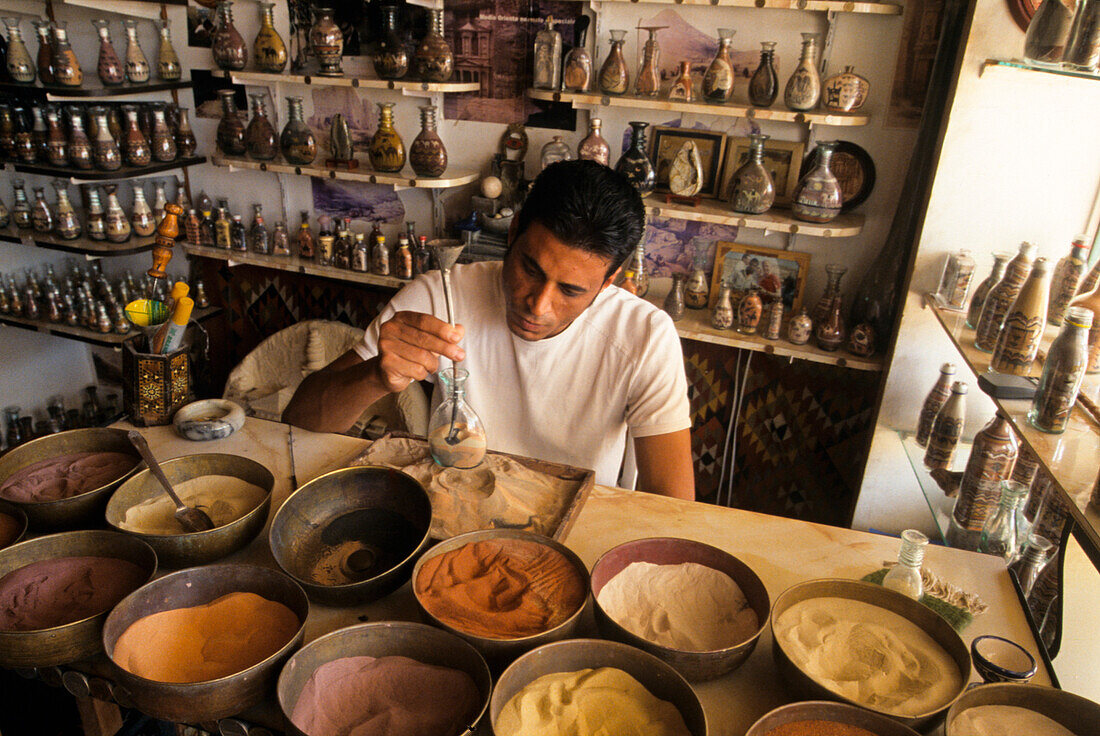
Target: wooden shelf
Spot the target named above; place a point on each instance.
(90, 175)
(699, 108)
(293, 264)
(407, 86)
(832, 6)
(406, 179)
(81, 334)
(1070, 457)
(780, 221)
(695, 325)
(82, 245)
(55, 92)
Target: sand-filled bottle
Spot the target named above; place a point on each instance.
(1018, 341)
(1063, 370)
(991, 461)
(1001, 298)
(946, 430)
(1000, 262)
(456, 434)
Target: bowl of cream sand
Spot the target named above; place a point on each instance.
(869, 646)
(1009, 707)
(692, 605)
(233, 490)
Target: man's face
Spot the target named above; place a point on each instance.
(547, 284)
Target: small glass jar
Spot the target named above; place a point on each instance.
(905, 577)
(1001, 530)
(456, 435)
(1031, 562)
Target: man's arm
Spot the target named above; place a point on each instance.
(664, 464)
(409, 346)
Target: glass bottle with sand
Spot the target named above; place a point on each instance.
(456, 435)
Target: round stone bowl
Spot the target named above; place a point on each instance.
(1079, 715)
(85, 509)
(7, 508)
(694, 665)
(425, 644)
(920, 615)
(502, 650)
(208, 700)
(660, 679)
(194, 548)
(209, 419)
(824, 710)
(77, 640)
(351, 536)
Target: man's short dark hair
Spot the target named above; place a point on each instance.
(586, 205)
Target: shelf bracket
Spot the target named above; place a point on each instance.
(791, 236)
(831, 18)
(439, 215)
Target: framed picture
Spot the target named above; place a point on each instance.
(778, 274)
(782, 159)
(667, 143)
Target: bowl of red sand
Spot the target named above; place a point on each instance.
(13, 524)
(63, 480)
(56, 592)
(414, 677)
(826, 718)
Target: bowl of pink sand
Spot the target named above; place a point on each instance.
(416, 678)
(690, 604)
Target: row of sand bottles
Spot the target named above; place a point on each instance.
(103, 222)
(57, 64)
(427, 156)
(575, 72)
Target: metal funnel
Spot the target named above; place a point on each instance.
(446, 252)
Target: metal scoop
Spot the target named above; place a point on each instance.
(191, 519)
(446, 253)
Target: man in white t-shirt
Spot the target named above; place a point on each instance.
(562, 365)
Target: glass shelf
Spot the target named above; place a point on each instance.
(938, 503)
(1071, 457)
(1025, 66)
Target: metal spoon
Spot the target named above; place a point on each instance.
(191, 519)
(446, 254)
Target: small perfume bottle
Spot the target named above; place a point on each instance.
(904, 577)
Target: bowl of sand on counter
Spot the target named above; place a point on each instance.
(592, 686)
(866, 645)
(235, 493)
(826, 718)
(206, 642)
(694, 606)
(1010, 708)
(386, 677)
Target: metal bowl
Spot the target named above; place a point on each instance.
(80, 639)
(195, 548)
(923, 617)
(192, 702)
(369, 522)
(10, 509)
(693, 665)
(499, 651)
(1079, 715)
(85, 509)
(423, 643)
(823, 710)
(657, 677)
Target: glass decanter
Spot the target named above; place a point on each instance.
(456, 434)
(1000, 535)
(137, 66)
(904, 577)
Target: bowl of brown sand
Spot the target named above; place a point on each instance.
(826, 718)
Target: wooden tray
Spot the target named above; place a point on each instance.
(583, 481)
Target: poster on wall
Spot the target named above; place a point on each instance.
(357, 200)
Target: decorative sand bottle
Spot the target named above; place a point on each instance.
(991, 461)
(1063, 371)
(697, 287)
(19, 63)
(804, 87)
(427, 154)
(946, 430)
(392, 59)
(594, 147)
(386, 149)
(44, 60)
(800, 328)
(118, 227)
(817, 198)
(297, 142)
(168, 62)
(456, 435)
(435, 62)
(1091, 302)
(137, 66)
(933, 402)
(753, 188)
(764, 84)
(67, 225)
(614, 77)
(1000, 262)
(108, 66)
(186, 143)
(327, 42)
(634, 164)
(163, 143)
(958, 274)
(718, 78)
(1018, 341)
(226, 43)
(547, 55)
(259, 136)
(749, 311)
(683, 88)
(230, 133)
(577, 74)
(722, 316)
(1001, 298)
(141, 219)
(269, 49)
(80, 148)
(1066, 278)
(648, 82)
(674, 300)
(21, 207)
(42, 216)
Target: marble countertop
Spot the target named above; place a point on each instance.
(781, 551)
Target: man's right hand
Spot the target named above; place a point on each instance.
(409, 346)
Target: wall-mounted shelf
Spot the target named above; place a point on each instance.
(830, 6)
(695, 325)
(778, 221)
(596, 99)
(81, 334)
(405, 180)
(293, 264)
(1070, 457)
(55, 92)
(406, 86)
(92, 175)
(82, 245)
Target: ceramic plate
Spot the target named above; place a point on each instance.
(855, 171)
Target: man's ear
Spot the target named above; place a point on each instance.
(611, 279)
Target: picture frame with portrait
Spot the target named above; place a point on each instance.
(776, 273)
(782, 159)
(666, 142)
